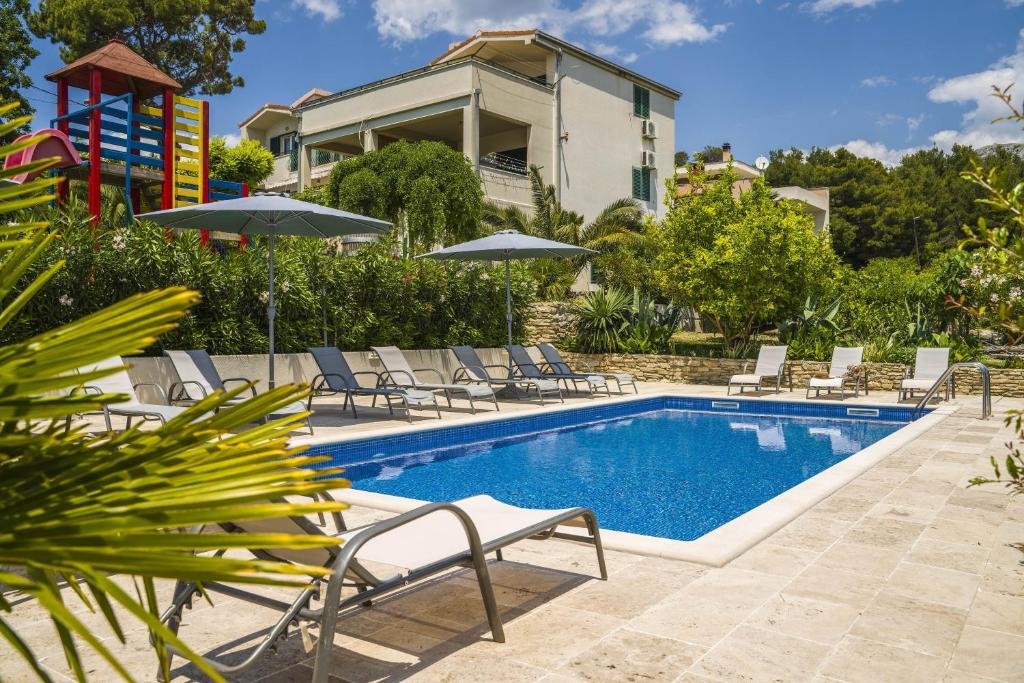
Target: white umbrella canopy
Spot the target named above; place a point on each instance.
(506, 245)
(271, 215)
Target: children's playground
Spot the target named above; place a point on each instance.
(132, 131)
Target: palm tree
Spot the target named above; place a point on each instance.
(619, 225)
(77, 509)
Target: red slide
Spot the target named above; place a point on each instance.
(56, 145)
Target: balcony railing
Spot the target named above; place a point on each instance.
(321, 157)
(503, 162)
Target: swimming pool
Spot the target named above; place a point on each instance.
(669, 467)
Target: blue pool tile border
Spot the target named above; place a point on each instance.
(385, 446)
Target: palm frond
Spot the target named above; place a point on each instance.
(78, 508)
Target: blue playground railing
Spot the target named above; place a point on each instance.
(130, 138)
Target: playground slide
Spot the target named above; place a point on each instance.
(57, 145)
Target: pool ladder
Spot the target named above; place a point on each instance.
(986, 388)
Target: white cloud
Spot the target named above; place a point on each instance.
(613, 52)
(877, 81)
(674, 22)
(327, 10)
(231, 139)
(661, 22)
(975, 91)
(826, 6)
(876, 150)
(913, 123)
(1015, 3)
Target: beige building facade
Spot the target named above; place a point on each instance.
(507, 100)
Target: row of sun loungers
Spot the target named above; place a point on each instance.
(397, 385)
(929, 365)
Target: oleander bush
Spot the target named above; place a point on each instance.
(371, 297)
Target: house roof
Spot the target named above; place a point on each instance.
(309, 96)
(266, 107)
(551, 42)
(124, 71)
(455, 47)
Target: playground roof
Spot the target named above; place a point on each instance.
(124, 71)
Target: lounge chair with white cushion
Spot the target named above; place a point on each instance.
(120, 383)
(555, 361)
(525, 367)
(198, 377)
(398, 373)
(844, 359)
(771, 362)
(418, 544)
(929, 365)
(336, 377)
(474, 371)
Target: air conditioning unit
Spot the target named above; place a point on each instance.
(648, 129)
(647, 159)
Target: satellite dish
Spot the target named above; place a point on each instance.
(761, 163)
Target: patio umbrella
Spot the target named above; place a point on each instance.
(506, 245)
(268, 214)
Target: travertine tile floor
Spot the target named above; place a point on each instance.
(902, 575)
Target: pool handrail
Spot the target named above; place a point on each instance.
(986, 388)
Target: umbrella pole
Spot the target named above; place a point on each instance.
(508, 309)
(271, 310)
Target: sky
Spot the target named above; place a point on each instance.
(880, 77)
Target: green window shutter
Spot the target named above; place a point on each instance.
(642, 184)
(275, 145)
(641, 102)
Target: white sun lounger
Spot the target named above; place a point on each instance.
(419, 544)
(198, 378)
(843, 360)
(771, 362)
(120, 383)
(929, 365)
(398, 373)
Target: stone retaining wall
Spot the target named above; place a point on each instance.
(716, 371)
(549, 321)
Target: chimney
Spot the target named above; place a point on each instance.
(726, 152)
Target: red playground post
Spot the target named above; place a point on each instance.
(95, 96)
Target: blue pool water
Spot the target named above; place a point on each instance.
(659, 470)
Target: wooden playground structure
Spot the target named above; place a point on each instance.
(134, 132)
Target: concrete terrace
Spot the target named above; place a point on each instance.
(903, 574)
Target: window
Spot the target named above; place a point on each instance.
(642, 184)
(641, 102)
(596, 276)
(282, 145)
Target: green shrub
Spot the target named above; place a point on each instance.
(372, 297)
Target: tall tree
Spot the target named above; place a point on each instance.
(742, 262)
(915, 208)
(16, 53)
(427, 189)
(681, 157)
(192, 40)
(711, 154)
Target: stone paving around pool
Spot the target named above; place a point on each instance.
(902, 575)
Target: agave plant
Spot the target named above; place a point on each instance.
(812, 319)
(601, 319)
(650, 328)
(78, 508)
